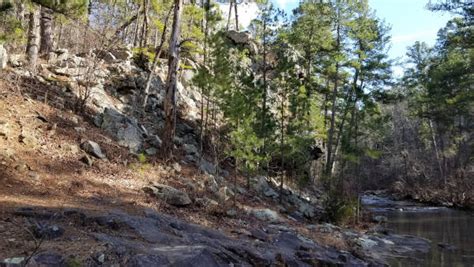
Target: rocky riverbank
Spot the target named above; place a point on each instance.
(85, 188)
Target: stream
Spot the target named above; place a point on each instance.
(450, 231)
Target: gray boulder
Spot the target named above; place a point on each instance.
(307, 210)
(243, 38)
(93, 149)
(169, 194)
(151, 151)
(125, 129)
(190, 149)
(207, 167)
(260, 184)
(269, 192)
(207, 202)
(266, 215)
(239, 37)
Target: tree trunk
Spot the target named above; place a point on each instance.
(332, 124)
(46, 31)
(236, 16)
(137, 29)
(205, 25)
(333, 109)
(155, 60)
(264, 89)
(229, 15)
(144, 36)
(171, 82)
(33, 39)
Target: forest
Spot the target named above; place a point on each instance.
(307, 100)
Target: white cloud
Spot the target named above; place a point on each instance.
(412, 37)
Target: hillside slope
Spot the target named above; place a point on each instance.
(83, 188)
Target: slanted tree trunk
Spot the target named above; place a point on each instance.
(158, 50)
(171, 82)
(33, 39)
(231, 2)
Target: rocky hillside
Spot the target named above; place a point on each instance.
(81, 184)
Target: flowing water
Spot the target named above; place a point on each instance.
(451, 231)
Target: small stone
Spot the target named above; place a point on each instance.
(4, 129)
(48, 232)
(21, 167)
(169, 194)
(190, 159)
(231, 213)
(75, 119)
(225, 193)
(177, 167)
(80, 129)
(93, 149)
(151, 151)
(207, 167)
(101, 258)
(34, 176)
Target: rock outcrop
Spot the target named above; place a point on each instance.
(154, 239)
(125, 129)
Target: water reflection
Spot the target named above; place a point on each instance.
(451, 233)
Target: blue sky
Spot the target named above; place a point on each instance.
(409, 19)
